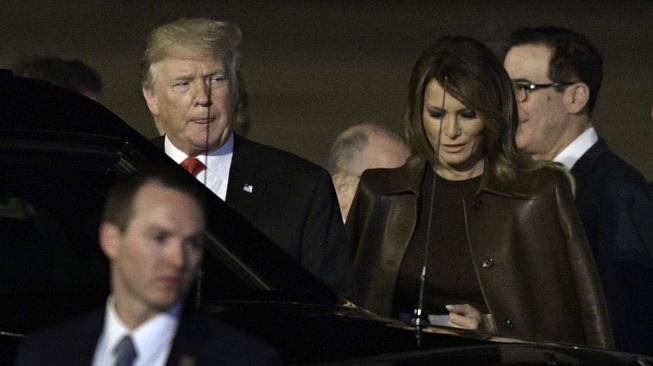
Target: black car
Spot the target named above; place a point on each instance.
(60, 152)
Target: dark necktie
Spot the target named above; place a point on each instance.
(193, 165)
(125, 352)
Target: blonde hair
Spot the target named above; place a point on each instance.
(194, 36)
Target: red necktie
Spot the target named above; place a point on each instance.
(192, 165)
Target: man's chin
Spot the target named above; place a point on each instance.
(163, 303)
(214, 141)
(200, 145)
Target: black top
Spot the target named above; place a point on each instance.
(450, 277)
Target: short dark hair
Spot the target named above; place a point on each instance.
(118, 208)
(73, 75)
(573, 56)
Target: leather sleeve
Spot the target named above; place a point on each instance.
(588, 286)
(379, 227)
(353, 227)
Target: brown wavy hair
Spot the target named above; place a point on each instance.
(476, 78)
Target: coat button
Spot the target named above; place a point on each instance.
(508, 324)
(488, 263)
(477, 204)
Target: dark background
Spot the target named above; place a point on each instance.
(313, 68)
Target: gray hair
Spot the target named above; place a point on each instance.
(351, 142)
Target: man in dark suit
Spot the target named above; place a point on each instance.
(152, 234)
(190, 85)
(557, 74)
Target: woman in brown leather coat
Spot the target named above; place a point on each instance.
(498, 234)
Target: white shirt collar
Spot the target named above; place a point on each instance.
(152, 339)
(574, 151)
(218, 163)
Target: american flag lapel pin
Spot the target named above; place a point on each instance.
(248, 188)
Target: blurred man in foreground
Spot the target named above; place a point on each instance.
(152, 234)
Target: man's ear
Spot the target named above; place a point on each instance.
(340, 183)
(343, 192)
(109, 237)
(151, 99)
(345, 186)
(576, 97)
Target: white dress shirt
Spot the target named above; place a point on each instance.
(152, 339)
(574, 151)
(218, 163)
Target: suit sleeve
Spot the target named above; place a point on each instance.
(25, 354)
(588, 286)
(331, 261)
(636, 201)
(352, 223)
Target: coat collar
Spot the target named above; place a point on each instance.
(587, 162)
(408, 178)
(585, 166)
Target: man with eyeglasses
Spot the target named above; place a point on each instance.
(557, 74)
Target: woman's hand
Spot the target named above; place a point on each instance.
(468, 317)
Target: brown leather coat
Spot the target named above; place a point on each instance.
(531, 256)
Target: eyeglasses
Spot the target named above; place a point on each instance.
(523, 88)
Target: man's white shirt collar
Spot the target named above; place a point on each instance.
(152, 339)
(574, 151)
(218, 164)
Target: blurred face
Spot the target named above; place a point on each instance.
(461, 138)
(155, 260)
(89, 93)
(542, 130)
(189, 98)
(380, 152)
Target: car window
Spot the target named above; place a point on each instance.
(49, 268)
(51, 198)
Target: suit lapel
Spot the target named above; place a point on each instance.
(246, 183)
(159, 142)
(86, 339)
(184, 350)
(582, 170)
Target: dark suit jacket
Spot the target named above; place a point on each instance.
(616, 206)
(293, 202)
(200, 340)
